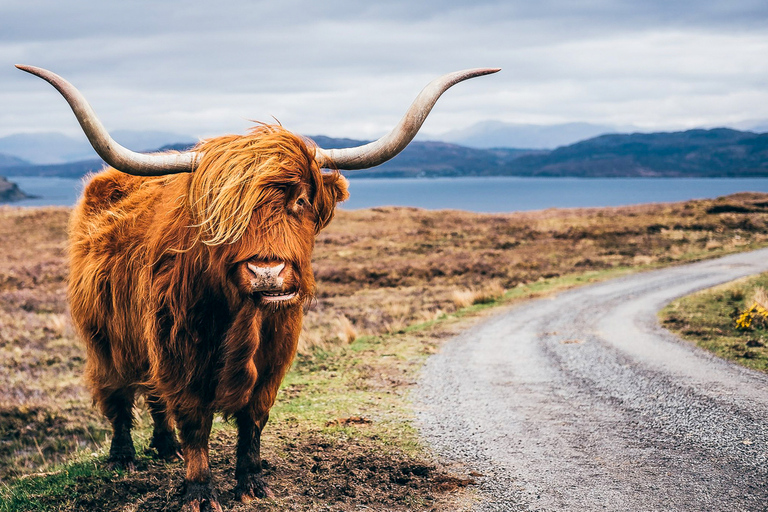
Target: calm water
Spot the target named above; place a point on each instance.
(500, 194)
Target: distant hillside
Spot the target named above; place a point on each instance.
(432, 159)
(498, 134)
(720, 152)
(428, 159)
(57, 148)
(11, 161)
(10, 192)
(44, 148)
(72, 170)
(753, 125)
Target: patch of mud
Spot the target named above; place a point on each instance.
(315, 474)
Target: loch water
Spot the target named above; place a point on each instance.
(492, 194)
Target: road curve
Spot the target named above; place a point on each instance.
(583, 402)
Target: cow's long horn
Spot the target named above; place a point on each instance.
(387, 147)
(114, 154)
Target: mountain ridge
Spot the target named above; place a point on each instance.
(50, 148)
(494, 134)
(718, 152)
(11, 161)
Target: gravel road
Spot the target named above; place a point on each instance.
(583, 402)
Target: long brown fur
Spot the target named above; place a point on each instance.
(157, 294)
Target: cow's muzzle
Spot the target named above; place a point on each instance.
(273, 281)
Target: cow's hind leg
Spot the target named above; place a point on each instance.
(163, 437)
(250, 482)
(117, 406)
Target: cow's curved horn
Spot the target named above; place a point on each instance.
(387, 147)
(114, 154)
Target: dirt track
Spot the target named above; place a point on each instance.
(583, 402)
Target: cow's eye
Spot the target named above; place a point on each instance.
(301, 202)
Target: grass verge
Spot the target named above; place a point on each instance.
(708, 319)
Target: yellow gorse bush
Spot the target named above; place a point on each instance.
(747, 317)
(758, 309)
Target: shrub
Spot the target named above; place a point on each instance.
(757, 314)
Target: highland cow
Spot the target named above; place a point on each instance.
(188, 273)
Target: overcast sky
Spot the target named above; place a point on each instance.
(350, 68)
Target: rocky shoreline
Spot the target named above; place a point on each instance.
(10, 192)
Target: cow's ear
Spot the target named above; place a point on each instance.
(332, 190)
(337, 185)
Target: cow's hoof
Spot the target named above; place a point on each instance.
(122, 454)
(121, 463)
(201, 498)
(166, 446)
(251, 487)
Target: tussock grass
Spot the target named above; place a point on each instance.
(488, 293)
(760, 297)
(463, 298)
(347, 332)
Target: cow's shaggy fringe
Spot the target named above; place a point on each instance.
(238, 174)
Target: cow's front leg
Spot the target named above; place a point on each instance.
(194, 431)
(250, 480)
(278, 341)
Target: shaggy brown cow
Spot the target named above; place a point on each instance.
(189, 288)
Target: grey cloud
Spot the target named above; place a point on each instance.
(201, 68)
(40, 20)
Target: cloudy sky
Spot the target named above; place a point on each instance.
(350, 68)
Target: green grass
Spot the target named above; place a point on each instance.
(55, 490)
(708, 318)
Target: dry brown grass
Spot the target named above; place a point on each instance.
(760, 297)
(347, 332)
(463, 298)
(386, 268)
(378, 270)
(488, 293)
(45, 413)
